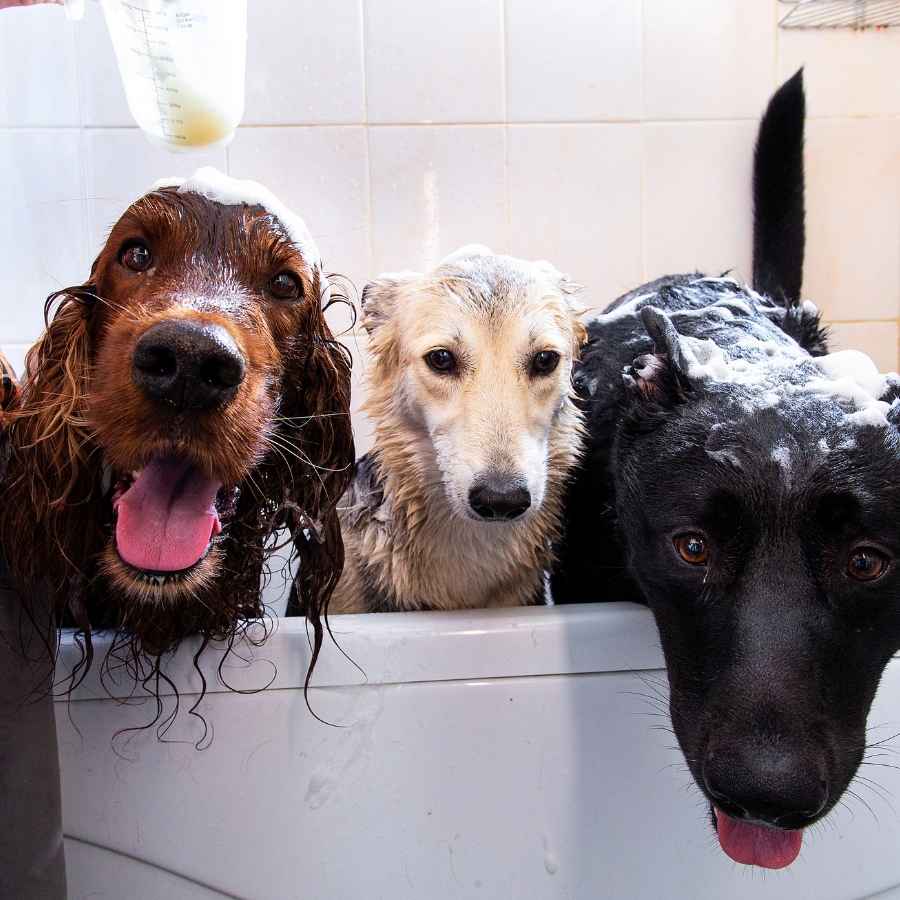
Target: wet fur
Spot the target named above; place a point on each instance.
(9, 395)
(773, 651)
(409, 545)
(283, 446)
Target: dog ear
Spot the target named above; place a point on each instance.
(317, 423)
(379, 299)
(663, 375)
(569, 290)
(52, 482)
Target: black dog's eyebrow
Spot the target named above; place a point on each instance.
(725, 511)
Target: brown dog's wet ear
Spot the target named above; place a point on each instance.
(662, 376)
(316, 417)
(54, 387)
(53, 485)
(379, 299)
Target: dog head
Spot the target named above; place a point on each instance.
(760, 500)
(475, 360)
(178, 404)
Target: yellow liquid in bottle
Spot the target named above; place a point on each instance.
(189, 122)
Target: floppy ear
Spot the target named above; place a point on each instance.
(662, 376)
(379, 299)
(316, 419)
(52, 483)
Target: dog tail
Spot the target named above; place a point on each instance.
(779, 233)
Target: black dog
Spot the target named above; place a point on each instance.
(746, 486)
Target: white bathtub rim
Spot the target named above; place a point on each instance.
(400, 648)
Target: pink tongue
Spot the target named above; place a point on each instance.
(757, 845)
(167, 517)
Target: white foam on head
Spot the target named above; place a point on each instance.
(707, 361)
(849, 377)
(631, 308)
(220, 188)
(852, 379)
(852, 365)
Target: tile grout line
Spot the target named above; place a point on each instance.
(86, 220)
(777, 59)
(507, 197)
(574, 123)
(642, 200)
(370, 229)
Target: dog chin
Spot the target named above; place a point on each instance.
(159, 588)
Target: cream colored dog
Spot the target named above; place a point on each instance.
(476, 432)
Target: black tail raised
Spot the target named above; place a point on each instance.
(779, 233)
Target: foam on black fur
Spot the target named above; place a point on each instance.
(715, 413)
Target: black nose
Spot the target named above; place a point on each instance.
(499, 497)
(772, 783)
(187, 365)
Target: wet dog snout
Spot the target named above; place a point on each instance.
(499, 497)
(775, 784)
(188, 365)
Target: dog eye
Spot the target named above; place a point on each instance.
(867, 564)
(545, 362)
(441, 361)
(136, 256)
(692, 548)
(286, 286)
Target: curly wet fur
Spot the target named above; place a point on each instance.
(9, 396)
(58, 512)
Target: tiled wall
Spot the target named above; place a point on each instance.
(613, 137)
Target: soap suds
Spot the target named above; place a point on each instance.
(782, 456)
(221, 188)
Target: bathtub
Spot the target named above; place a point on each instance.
(490, 754)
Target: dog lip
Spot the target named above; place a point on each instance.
(166, 575)
(497, 520)
(740, 815)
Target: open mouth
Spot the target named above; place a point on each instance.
(166, 518)
(756, 844)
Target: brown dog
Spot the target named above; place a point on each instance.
(182, 405)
